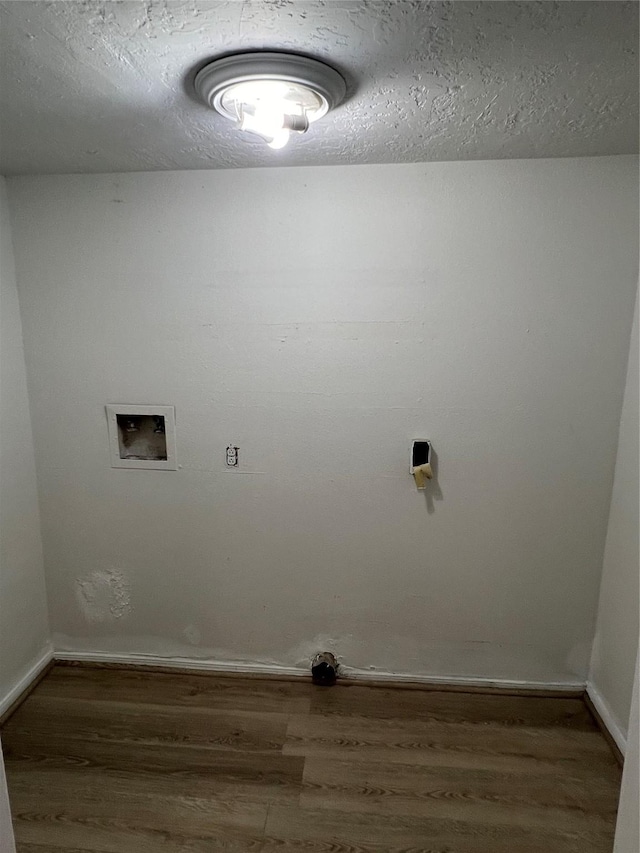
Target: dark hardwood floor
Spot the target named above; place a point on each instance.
(123, 761)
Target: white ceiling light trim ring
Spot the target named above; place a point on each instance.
(270, 95)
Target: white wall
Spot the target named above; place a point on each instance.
(24, 631)
(7, 844)
(628, 824)
(616, 640)
(321, 318)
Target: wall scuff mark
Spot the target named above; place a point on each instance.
(192, 634)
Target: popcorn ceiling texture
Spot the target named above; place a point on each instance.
(104, 86)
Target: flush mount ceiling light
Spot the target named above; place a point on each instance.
(270, 94)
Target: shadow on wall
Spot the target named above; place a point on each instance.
(433, 492)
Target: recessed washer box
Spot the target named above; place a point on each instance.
(142, 436)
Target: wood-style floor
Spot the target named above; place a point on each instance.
(122, 761)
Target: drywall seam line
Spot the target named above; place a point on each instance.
(19, 692)
(605, 717)
(347, 673)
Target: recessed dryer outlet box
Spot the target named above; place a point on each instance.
(142, 436)
(420, 453)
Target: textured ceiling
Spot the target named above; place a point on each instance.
(105, 86)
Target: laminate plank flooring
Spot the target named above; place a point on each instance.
(102, 760)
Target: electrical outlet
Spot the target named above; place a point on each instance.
(232, 456)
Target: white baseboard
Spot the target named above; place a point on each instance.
(25, 681)
(462, 681)
(202, 664)
(270, 669)
(607, 717)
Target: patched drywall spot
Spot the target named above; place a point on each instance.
(192, 634)
(103, 595)
(305, 652)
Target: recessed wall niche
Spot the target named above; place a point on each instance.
(142, 436)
